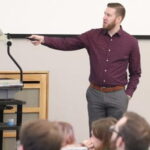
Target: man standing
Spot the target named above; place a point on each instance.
(111, 51)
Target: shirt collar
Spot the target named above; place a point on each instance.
(119, 33)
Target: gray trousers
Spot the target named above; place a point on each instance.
(105, 104)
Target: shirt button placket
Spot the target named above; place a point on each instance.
(107, 60)
(105, 70)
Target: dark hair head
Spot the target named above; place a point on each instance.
(135, 132)
(120, 10)
(100, 129)
(40, 135)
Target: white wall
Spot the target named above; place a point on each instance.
(69, 16)
(69, 80)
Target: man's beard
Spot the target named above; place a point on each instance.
(110, 26)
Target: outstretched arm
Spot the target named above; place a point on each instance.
(60, 43)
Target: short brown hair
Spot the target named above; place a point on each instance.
(100, 129)
(120, 10)
(40, 135)
(135, 132)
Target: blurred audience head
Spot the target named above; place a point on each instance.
(67, 132)
(100, 133)
(40, 135)
(132, 132)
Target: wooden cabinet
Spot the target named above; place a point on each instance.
(34, 93)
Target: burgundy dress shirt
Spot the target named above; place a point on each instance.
(110, 57)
